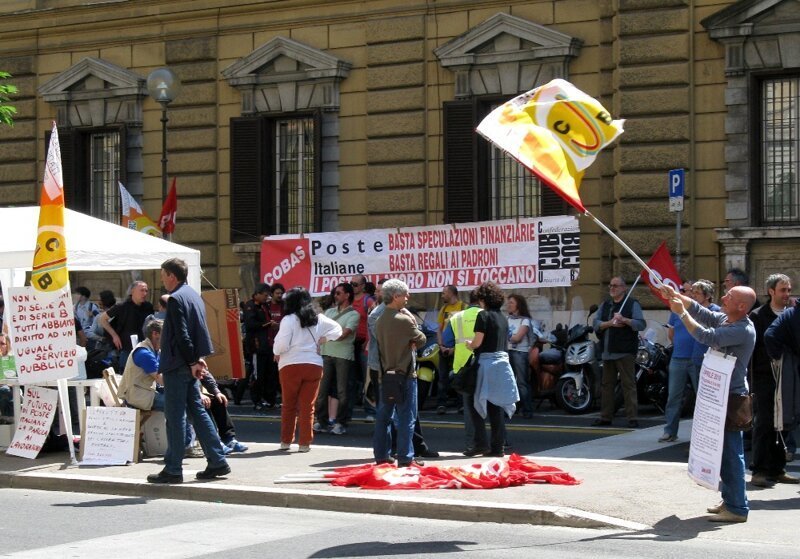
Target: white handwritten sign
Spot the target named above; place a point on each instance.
(708, 425)
(36, 415)
(43, 334)
(110, 436)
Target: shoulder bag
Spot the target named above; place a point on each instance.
(466, 379)
(739, 416)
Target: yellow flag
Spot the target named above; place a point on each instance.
(133, 217)
(556, 131)
(50, 258)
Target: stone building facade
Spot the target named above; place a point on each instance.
(298, 116)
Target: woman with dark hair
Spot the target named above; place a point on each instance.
(496, 391)
(519, 346)
(296, 346)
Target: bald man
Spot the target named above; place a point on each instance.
(730, 332)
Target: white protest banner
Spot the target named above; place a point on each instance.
(529, 252)
(708, 426)
(43, 334)
(36, 415)
(110, 436)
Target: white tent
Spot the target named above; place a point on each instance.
(92, 244)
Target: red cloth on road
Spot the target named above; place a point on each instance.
(516, 470)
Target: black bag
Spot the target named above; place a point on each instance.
(393, 388)
(97, 360)
(739, 416)
(466, 379)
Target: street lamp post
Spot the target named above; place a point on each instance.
(163, 86)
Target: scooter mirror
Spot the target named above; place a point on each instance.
(592, 310)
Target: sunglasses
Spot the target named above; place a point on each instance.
(355, 283)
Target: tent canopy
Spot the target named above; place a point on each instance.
(92, 245)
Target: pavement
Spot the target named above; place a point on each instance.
(632, 496)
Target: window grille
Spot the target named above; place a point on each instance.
(104, 164)
(779, 151)
(294, 175)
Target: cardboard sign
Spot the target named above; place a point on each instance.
(36, 415)
(521, 253)
(42, 334)
(110, 436)
(222, 315)
(708, 426)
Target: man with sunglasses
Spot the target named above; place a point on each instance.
(616, 323)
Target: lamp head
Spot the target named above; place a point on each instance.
(163, 85)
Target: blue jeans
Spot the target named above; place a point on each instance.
(158, 405)
(405, 415)
(182, 397)
(521, 368)
(732, 482)
(679, 369)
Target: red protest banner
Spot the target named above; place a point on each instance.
(528, 252)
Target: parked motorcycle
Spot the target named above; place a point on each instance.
(652, 373)
(568, 369)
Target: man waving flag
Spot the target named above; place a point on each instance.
(50, 259)
(556, 131)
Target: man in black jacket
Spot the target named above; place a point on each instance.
(769, 456)
(257, 324)
(617, 325)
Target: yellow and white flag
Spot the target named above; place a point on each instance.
(556, 131)
(133, 217)
(50, 259)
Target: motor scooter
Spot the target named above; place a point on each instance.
(567, 371)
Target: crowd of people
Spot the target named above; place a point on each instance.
(316, 360)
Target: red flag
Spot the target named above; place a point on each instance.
(514, 471)
(664, 269)
(169, 211)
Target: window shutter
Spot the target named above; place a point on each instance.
(123, 154)
(460, 162)
(248, 219)
(552, 203)
(75, 191)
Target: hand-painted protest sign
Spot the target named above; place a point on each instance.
(36, 415)
(529, 252)
(43, 334)
(708, 426)
(110, 436)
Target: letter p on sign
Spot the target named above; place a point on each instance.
(677, 180)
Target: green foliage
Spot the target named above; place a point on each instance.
(7, 111)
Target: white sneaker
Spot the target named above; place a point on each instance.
(338, 429)
(285, 446)
(370, 419)
(317, 427)
(303, 448)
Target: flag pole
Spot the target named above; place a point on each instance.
(654, 277)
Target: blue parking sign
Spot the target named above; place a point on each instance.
(677, 180)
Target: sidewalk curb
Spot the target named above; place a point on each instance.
(387, 503)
